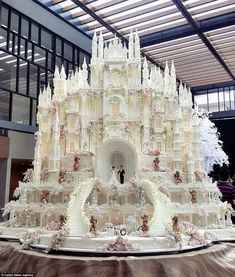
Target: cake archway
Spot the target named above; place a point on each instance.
(116, 152)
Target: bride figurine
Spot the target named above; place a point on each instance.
(113, 176)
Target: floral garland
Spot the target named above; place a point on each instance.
(96, 127)
(132, 187)
(17, 192)
(154, 194)
(94, 94)
(78, 153)
(190, 230)
(79, 197)
(8, 208)
(133, 125)
(172, 236)
(152, 152)
(119, 244)
(29, 237)
(57, 239)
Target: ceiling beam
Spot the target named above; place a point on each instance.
(206, 25)
(111, 29)
(205, 40)
(196, 90)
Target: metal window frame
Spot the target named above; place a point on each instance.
(26, 41)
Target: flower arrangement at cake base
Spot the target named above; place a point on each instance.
(57, 239)
(184, 233)
(29, 237)
(119, 244)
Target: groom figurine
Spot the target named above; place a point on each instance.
(121, 172)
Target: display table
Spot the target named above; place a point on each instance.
(216, 260)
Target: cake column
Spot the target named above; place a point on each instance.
(197, 153)
(37, 158)
(145, 104)
(54, 152)
(84, 134)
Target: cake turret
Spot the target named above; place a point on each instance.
(131, 47)
(94, 48)
(37, 158)
(173, 86)
(145, 74)
(166, 80)
(101, 47)
(54, 150)
(137, 47)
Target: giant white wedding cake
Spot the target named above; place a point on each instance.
(118, 155)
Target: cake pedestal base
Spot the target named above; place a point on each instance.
(216, 260)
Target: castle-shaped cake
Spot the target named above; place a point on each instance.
(117, 145)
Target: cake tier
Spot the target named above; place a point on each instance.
(141, 243)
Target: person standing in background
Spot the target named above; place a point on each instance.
(227, 189)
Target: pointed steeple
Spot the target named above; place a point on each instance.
(181, 94)
(137, 45)
(94, 47)
(166, 80)
(101, 46)
(173, 80)
(84, 65)
(56, 73)
(40, 99)
(62, 73)
(145, 73)
(48, 94)
(131, 46)
(189, 102)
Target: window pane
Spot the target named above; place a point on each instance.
(201, 101)
(34, 112)
(24, 28)
(39, 56)
(33, 72)
(29, 52)
(232, 97)
(58, 46)
(14, 22)
(4, 16)
(58, 62)
(227, 99)
(4, 104)
(76, 56)
(22, 48)
(20, 109)
(68, 52)
(3, 39)
(221, 99)
(70, 68)
(8, 71)
(15, 48)
(34, 33)
(49, 61)
(46, 39)
(23, 66)
(213, 102)
(11, 42)
(42, 81)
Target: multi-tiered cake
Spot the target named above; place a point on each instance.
(117, 155)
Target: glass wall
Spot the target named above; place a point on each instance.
(28, 55)
(216, 100)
